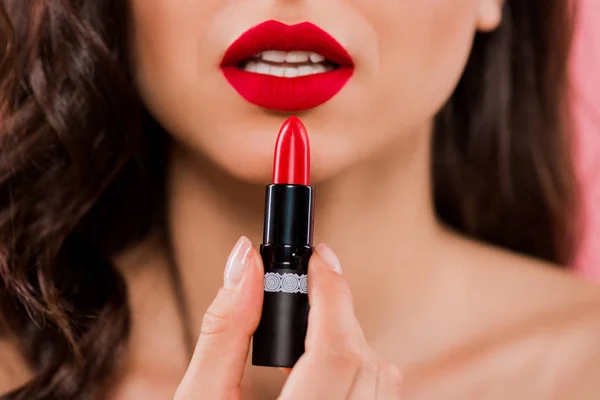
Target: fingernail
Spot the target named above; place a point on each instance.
(329, 257)
(237, 262)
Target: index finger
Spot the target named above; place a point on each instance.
(219, 360)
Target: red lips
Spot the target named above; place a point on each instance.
(282, 93)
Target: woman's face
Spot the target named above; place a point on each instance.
(407, 57)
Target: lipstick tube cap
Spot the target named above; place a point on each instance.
(289, 215)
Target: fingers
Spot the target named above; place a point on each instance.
(338, 362)
(377, 379)
(389, 382)
(365, 385)
(334, 342)
(218, 363)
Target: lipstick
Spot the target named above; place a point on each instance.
(286, 249)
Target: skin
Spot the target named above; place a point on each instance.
(457, 319)
(336, 349)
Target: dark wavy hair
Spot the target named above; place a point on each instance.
(79, 155)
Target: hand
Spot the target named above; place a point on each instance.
(338, 362)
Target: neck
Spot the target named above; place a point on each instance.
(378, 216)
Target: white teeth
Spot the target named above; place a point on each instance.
(319, 68)
(305, 70)
(316, 58)
(252, 66)
(274, 56)
(309, 63)
(291, 72)
(264, 68)
(292, 57)
(276, 71)
(297, 57)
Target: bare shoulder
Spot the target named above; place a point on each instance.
(13, 370)
(520, 279)
(559, 334)
(558, 359)
(539, 335)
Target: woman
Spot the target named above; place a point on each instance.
(133, 159)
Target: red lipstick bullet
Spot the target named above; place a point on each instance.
(292, 154)
(286, 250)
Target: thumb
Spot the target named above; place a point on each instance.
(218, 363)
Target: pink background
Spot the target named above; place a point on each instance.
(586, 77)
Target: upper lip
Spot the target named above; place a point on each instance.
(274, 35)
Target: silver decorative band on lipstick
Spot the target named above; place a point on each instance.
(286, 283)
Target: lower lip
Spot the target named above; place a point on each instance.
(287, 94)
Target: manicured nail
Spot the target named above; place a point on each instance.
(329, 257)
(237, 262)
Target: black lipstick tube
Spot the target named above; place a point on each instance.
(286, 250)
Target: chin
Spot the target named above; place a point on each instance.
(248, 166)
(245, 150)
